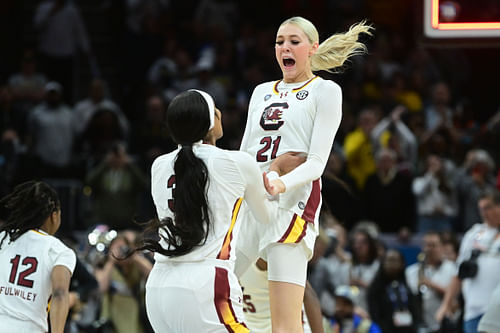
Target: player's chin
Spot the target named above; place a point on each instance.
(288, 70)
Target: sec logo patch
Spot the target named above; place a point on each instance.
(302, 94)
(267, 97)
(302, 205)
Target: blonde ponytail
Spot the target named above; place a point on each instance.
(334, 51)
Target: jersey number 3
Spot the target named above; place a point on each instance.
(171, 184)
(267, 141)
(22, 278)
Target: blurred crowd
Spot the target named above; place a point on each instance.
(413, 157)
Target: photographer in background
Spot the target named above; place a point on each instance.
(116, 183)
(122, 284)
(479, 265)
(429, 278)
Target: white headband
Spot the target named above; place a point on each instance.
(211, 106)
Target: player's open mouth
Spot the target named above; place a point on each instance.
(288, 62)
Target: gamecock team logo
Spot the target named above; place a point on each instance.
(271, 117)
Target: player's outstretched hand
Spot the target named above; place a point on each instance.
(274, 186)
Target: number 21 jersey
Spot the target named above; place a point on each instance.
(294, 117)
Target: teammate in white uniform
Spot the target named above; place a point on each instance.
(256, 301)
(300, 113)
(198, 190)
(36, 267)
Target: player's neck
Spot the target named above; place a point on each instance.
(40, 230)
(305, 76)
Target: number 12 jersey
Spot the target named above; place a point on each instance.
(25, 279)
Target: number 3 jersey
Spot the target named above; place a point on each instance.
(232, 177)
(25, 279)
(295, 117)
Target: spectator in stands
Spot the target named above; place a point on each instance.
(439, 112)
(97, 100)
(437, 205)
(358, 148)
(102, 132)
(387, 196)
(405, 94)
(475, 178)
(11, 149)
(150, 138)
(451, 246)
(428, 280)
(345, 319)
(332, 269)
(339, 190)
(441, 135)
(365, 263)
(122, 284)
(51, 133)
(116, 184)
(61, 34)
(28, 85)
(11, 117)
(390, 301)
(401, 140)
(163, 71)
(479, 265)
(204, 80)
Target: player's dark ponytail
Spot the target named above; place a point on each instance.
(187, 122)
(27, 207)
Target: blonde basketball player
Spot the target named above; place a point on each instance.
(299, 113)
(36, 267)
(198, 191)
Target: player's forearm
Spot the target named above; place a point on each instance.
(305, 173)
(59, 308)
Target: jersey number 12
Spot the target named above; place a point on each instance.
(32, 262)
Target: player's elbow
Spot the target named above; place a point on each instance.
(60, 293)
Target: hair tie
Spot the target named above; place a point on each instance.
(211, 106)
(187, 146)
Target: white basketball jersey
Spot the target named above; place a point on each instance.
(256, 301)
(25, 278)
(233, 176)
(282, 117)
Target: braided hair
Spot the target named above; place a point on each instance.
(27, 207)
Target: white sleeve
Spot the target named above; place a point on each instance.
(421, 185)
(379, 129)
(466, 245)
(409, 141)
(61, 255)
(326, 124)
(255, 194)
(248, 126)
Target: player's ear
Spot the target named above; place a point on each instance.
(314, 48)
